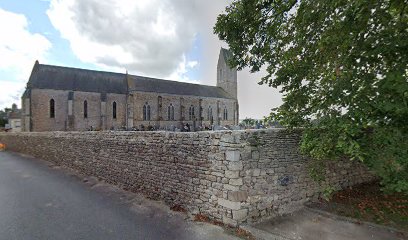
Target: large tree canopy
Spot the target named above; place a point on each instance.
(342, 67)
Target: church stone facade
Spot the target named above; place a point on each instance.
(69, 99)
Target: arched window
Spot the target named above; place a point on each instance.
(52, 108)
(170, 112)
(209, 113)
(146, 112)
(225, 114)
(191, 113)
(85, 109)
(114, 110)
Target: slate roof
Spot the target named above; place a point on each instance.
(145, 84)
(74, 79)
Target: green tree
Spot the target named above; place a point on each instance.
(3, 122)
(4, 116)
(342, 69)
(248, 122)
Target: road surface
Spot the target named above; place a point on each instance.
(38, 201)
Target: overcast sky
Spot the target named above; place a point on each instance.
(170, 39)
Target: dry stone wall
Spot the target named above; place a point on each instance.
(232, 176)
(274, 177)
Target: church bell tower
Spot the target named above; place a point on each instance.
(226, 76)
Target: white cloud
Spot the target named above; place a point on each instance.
(192, 64)
(146, 37)
(10, 92)
(19, 47)
(18, 50)
(183, 67)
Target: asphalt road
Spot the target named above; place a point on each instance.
(40, 202)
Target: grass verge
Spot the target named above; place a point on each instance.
(366, 202)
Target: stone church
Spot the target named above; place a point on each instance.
(70, 99)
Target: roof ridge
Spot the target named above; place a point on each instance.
(80, 69)
(175, 81)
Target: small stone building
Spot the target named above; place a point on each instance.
(70, 99)
(14, 119)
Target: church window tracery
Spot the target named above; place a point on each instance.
(146, 112)
(170, 112)
(191, 113)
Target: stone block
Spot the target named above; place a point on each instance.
(211, 178)
(240, 215)
(256, 172)
(229, 204)
(254, 199)
(228, 221)
(237, 196)
(231, 174)
(235, 166)
(232, 155)
(227, 138)
(230, 187)
(236, 182)
(218, 174)
(216, 185)
(255, 155)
